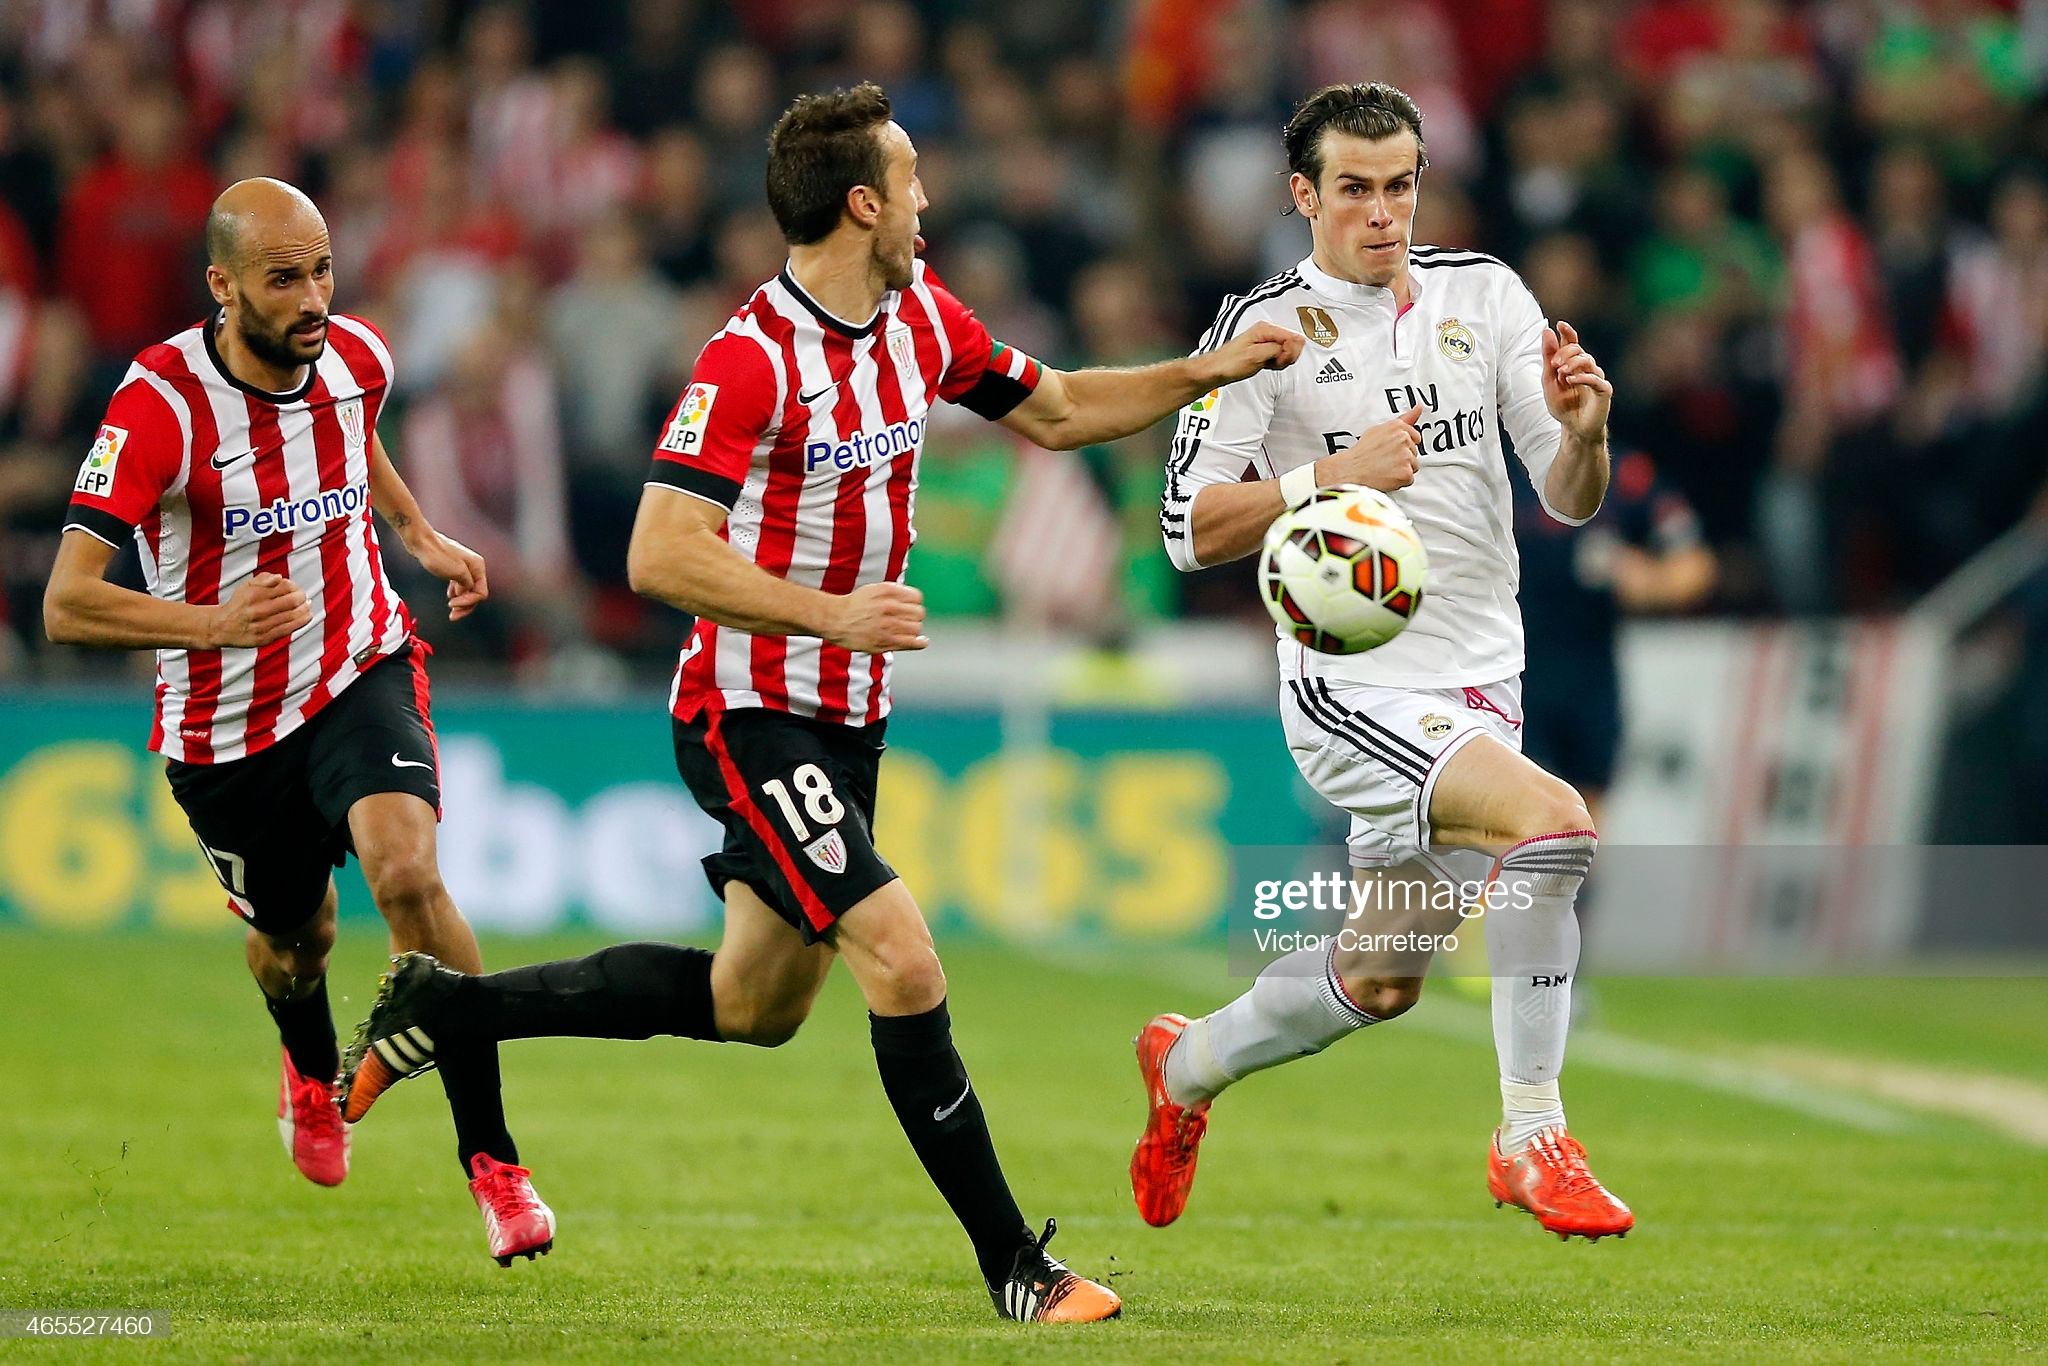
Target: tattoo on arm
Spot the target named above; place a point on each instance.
(399, 521)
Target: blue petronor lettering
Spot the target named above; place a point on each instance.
(285, 514)
(864, 448)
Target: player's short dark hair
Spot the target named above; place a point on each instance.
(1371, 111)
(823, 146)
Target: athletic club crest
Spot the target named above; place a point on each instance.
(902, 347)
(828, 851)
(350, 414)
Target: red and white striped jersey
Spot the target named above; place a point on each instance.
(218, 481)
(807, 428)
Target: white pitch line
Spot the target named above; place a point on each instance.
(1807, 1095)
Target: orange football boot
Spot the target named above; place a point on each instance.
(1042, 1290)
(1550, 1180)
(1163, 1167)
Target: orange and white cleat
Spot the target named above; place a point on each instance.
(1163, 1167)
(1042, 1289)
(1550, 1180)
(516, 1223)
(309, 1121)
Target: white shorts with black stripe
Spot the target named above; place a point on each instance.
(1376, 752)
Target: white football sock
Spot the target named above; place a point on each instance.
(1535, 938)
(1296, 1007)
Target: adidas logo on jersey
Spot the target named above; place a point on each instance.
(1333, 372)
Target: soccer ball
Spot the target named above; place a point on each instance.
(1343, 571)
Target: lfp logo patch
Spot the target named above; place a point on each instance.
(96, 475)
(1205, 402)
(685, 434)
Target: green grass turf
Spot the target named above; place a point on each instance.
(729, 1204)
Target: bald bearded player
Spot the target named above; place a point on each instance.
(242, 457)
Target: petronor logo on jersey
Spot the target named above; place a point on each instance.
(1454, 339)
(685, 434)
(96, 475)
(865, 448)
(1317, 324)
(240, 520)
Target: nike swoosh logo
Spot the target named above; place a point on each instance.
(397, 762)
(221, 464)
(942, 1115)
(814, 397)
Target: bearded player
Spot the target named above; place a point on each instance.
(1419, 357)
(291, 701)
(778, 510)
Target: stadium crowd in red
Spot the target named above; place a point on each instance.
(1809, 240)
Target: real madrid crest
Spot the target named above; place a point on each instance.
(1454, 339)
(1317, 324)
(1436, 726)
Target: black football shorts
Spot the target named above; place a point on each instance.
(797, 800)
(275, 825)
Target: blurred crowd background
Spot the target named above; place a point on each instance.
(1809, 241)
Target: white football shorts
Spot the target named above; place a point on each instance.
(1376, 752)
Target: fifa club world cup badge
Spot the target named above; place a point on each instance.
(1317, 324)
(1454, 339)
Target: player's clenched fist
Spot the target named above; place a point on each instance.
(879, 617)
(1262, 346)
(266, 607)
(1384, 458)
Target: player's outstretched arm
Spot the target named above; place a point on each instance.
(81, 608)
(442, 556)
(1071, 409)
(677, 557)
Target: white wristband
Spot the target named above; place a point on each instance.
(1297, 484)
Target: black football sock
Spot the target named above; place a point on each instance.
(306, 1028)
(935, 1103)
(628, 991)
(469, 1074)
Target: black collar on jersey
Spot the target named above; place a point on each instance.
(843, 328)
(218, 321)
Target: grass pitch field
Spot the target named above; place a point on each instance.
(1801, 1193)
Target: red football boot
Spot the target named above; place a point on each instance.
(1550, 1180)
(309, 1121)
(516, 1223)
(1163, 1167)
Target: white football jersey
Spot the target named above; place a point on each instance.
(1469, 349)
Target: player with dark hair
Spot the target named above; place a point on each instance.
(242, 457)
(1425, 357)
(779, 511)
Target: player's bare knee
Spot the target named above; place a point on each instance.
(1383, 997)
(1555, 808)
(408, 892)
(911, 980)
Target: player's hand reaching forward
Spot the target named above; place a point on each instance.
(1575, 388)
(267, 607)
(447, 558)
(1385, 458)
(879, 617)
(1262, 346)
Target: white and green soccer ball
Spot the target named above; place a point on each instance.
(1343, 571)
